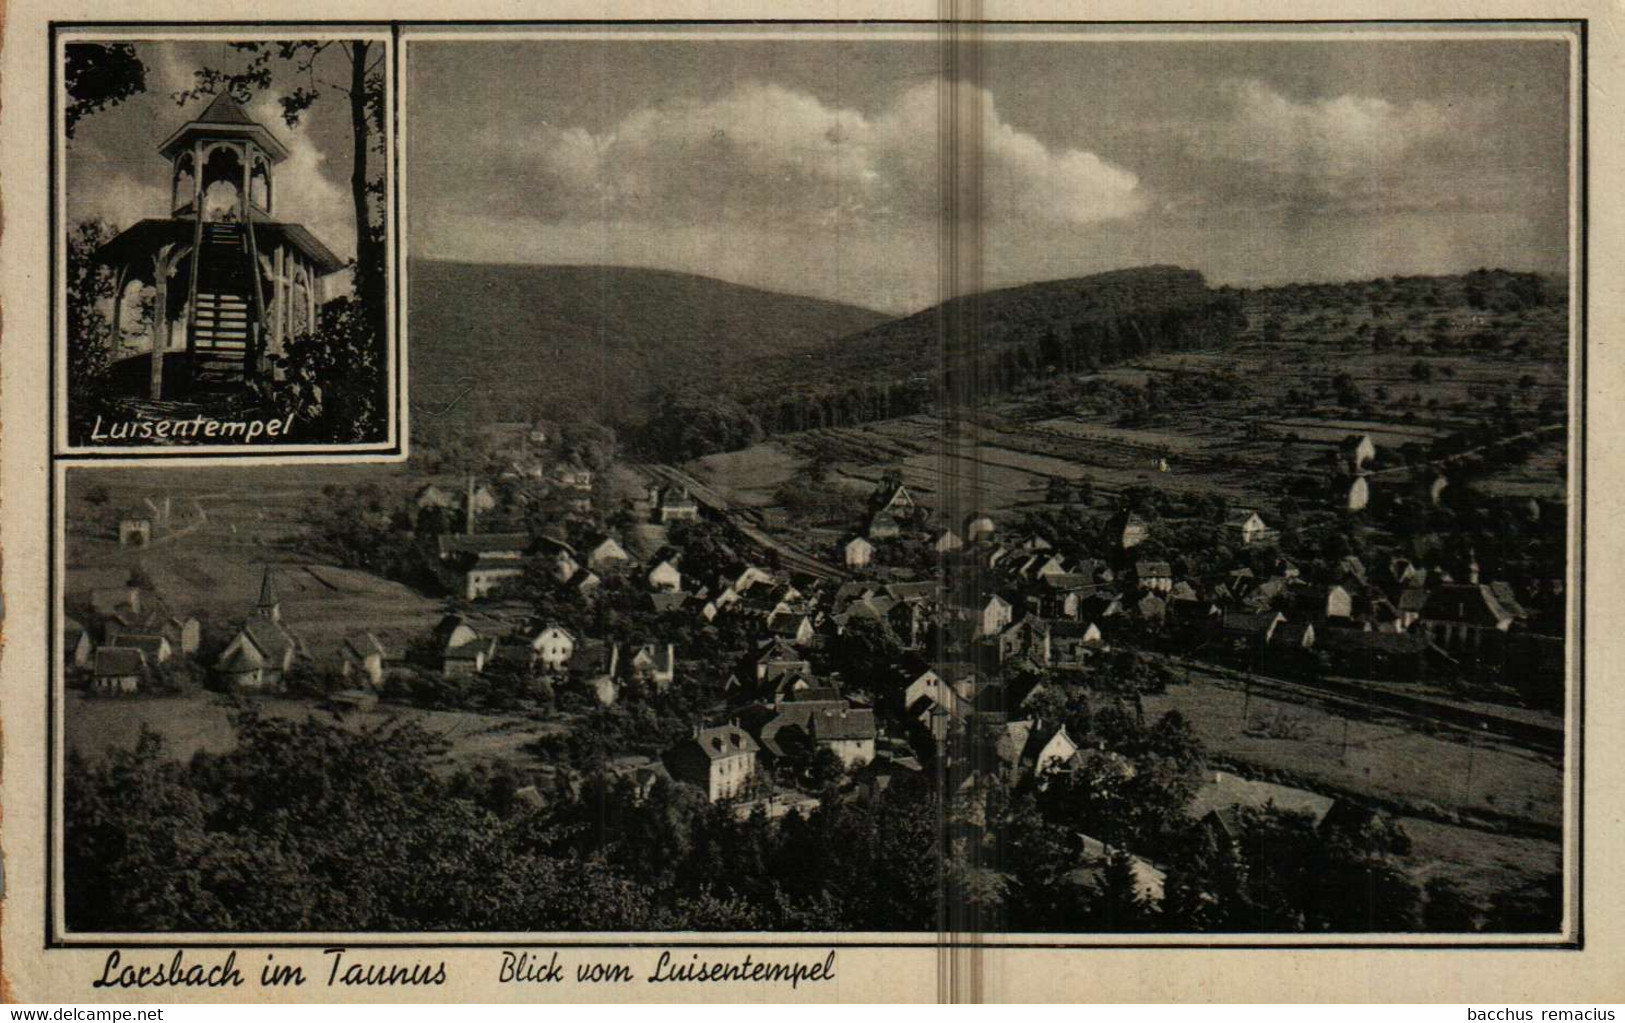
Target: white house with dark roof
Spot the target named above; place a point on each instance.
(721, 761)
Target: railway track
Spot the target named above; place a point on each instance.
(745, 521)
(1348, 694)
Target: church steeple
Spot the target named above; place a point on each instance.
(270, 605)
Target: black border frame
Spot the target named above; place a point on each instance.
(380, 451)
(1578, 278)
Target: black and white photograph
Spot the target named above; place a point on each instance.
(225, 233)
(1122, 488)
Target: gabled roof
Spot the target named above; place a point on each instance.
(151, 233)
(224, 117)
(113, 660)
(723, 741)
(833, 724)
(270, 637)
(362, 645)
(1251, 622)
(484, 543)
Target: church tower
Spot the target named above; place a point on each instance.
(233, 285)
(269, 604)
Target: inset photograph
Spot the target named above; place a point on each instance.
(225, 267)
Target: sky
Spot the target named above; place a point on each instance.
(113, 169)
(813, 166)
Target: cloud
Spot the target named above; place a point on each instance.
(304, 190)
(766, 151)
(118, 197)
(1347, 153)
(1340, 138)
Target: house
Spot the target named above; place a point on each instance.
(1072, 642)
(1156, 576)
(131, 606)
(1029, 637)
(1151, 608)
(573, 475)
(848, 732)
(462, 651)
(1292, 636)
(1359, 495)
(551, 645)
(431, 496)
(1029, 748)
(665, 576)
(263, 650)
(676, 505)
(884, 526)
(1402, 656)
(654, 663)
(257, 657)
(117, 670)
(991, 615)
(585, 584)
(465, 548)
(946, 540)
(1245, 527)
(934, 684)
(793, 628)
(978, 527)
(77, 646)
(361, 656)
(185, 635)
(1322, 601)
(792, 728)
(606, 552)
(487, 573)
(1356, 450)
(721, 761)
(134, 532)
(1460, 616)
(742, 578)
(778, 657)
(1437, 488)
(892, 496)
(594, 665)
(1250, 629)
(155, 648)
(1095, 856)
(1127, 530)
(858, 552)
(667, 602)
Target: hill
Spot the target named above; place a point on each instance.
(502, 343)
(990, 343)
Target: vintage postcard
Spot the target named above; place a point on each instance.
(226, 244)
(892, 507)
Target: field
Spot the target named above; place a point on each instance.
(1441, 775)
(203, 721)
(1422, 371)
(225, 527)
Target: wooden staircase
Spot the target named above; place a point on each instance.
(221, 327)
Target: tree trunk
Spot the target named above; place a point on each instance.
(369, 257)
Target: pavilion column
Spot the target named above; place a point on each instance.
(119, 280)
(279, 321)
(243, 203)
(164, 266)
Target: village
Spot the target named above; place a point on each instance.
(645, 634)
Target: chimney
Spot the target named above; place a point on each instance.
(468, 508)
